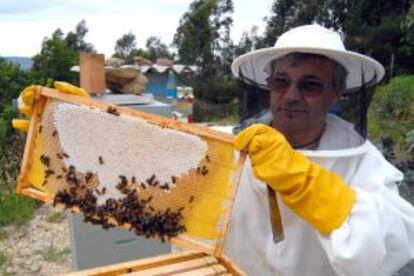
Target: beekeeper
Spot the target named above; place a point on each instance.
(336, 194)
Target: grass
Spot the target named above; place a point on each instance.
(3, 235)
(229, 120)
(55, 217)
(4, 263)
(52, 254)
(16, 209)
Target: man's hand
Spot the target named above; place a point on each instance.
(28, 95)
(312, 192)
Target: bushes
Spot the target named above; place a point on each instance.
(208, 112)
(392, 109)
(217, 90)
(391, 124)
(11, 149)
(215, 99)
(16, 209)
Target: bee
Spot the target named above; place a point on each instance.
(156, 183)
(64, 170)
(173, 179)
(204, 170)
(59, 176)
(59, 155)
(123, 179)
(143, 186)
(103, 190)
(45, 160)
(65, 154)
(98, 192)
(122, 186)
(64, 198)
(88, 176)
(133, 180)
(113, 111)
(207, 158)
(54, 133)
(151, 179)
(71, 176)
(101, 161)
(191, 199)
(48, 173)
(73, 190)
(40, 128)
(165, 186)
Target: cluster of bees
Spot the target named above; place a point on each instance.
(132, 210)
(137, 212)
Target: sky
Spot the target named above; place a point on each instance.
(25, 23)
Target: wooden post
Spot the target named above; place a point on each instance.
(92, 72)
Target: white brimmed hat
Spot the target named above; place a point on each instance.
(254, 66)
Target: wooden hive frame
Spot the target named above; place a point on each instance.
(216, 252)
(186, 263)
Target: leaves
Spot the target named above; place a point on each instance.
(157, 49)
(125, 46)
(59, 53)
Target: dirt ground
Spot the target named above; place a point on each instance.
(41, 247)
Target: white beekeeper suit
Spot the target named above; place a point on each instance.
(377, 236)
(372, 241)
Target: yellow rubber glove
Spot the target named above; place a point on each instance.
(28, 95)
(36, 174)
(317, 195)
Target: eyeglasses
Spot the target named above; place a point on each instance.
(306, 87)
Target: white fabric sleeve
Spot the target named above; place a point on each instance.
(376, 239)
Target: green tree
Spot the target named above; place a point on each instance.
(374, 27)
(203, 39)
(76, 40)
(12, 80)
(194, 37)
(203, 35)
(58, 54)
(249, 41)
(223, 45)
(286, 14)
(54, 61)
(157, 49)
(125, 47)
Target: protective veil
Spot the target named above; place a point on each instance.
(377, 238)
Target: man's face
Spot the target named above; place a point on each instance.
(295, 101)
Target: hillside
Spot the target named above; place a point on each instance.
(25, 62)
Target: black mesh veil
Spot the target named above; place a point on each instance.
(352, 106)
